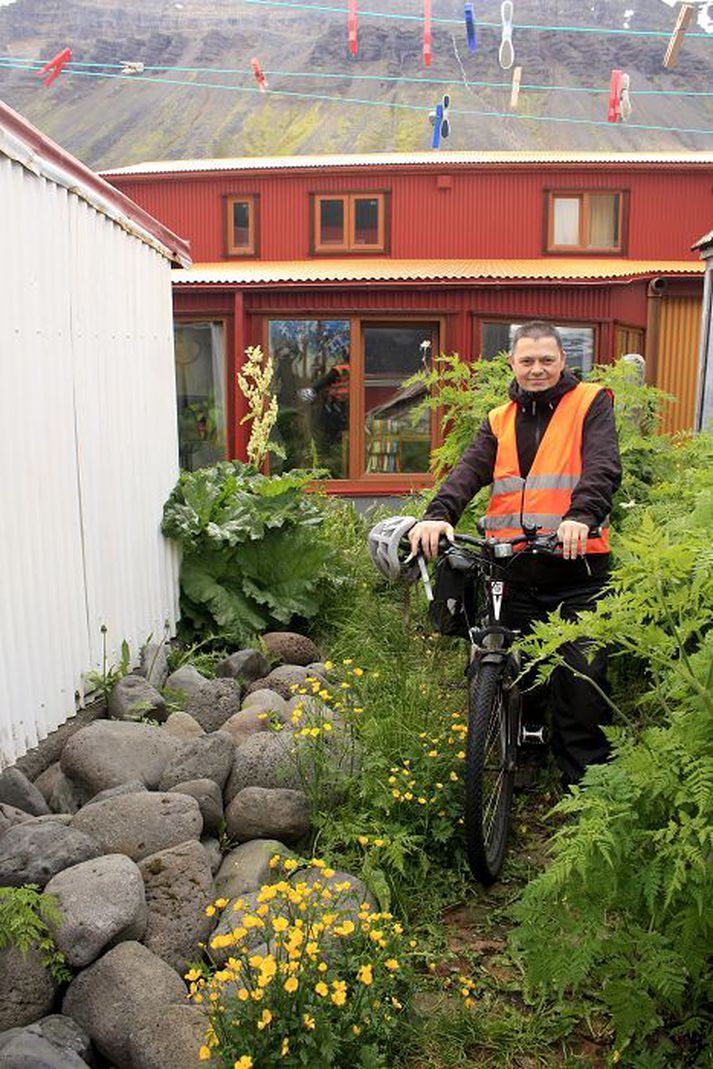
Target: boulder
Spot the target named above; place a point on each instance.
(209, 757)
(268, 701)
(47, 780)
(140, 824)
(67, 796)
(213, 852)
(209, 797)
(101, 903)
(134, 698)
(62, 1033)
(348, 901)
(127, 988)
(170, 1040)
(179, 886)
(185, 681)
(16, 790)
(284, 680)
(27, 1050)
(318, 668)
(248, 722)
(247, 867)
(35, 852)
(288, 647)
(232, 918)
(54, 818)
(263, 813)
(154, 663)
(110, 752)
(268, 759)
(182, 726)
(133, 786)
(244, 664)
(28, 989)
(214, 703)
(10, 816)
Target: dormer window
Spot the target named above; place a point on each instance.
(589, 222)
(241, 225)
(349, 222)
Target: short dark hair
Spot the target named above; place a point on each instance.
(536, 329)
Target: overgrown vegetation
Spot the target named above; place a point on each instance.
(27, 917)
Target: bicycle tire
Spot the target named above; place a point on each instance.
(489, 772)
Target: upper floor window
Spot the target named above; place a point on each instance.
(585, 222)
(241, 225)
(349, 222)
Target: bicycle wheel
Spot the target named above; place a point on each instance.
(489, 772)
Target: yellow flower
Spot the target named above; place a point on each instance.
(365, 975)
(344, 685)
(391, 964)
(329, 665)
(274, 861)
(243, 994)
(433, 753)
(339, 998)
(363, 840)
(265, 1019)
(422, 801)
(379, 842)
(321, 989)
(358, 671)
(280, 924)
(289, 865)
(262, 716)
(291, 984)
(193, 974)
(308, 1021)
(356, 1029)
(396, 1004)
(454, 776)
(324, 694)
(204, 1054)
(322, 967)
(348, 660)
(210, 911)
(245, 1062)
(285, 1048)
(461, 755)
(328, 873)
(327, 727)
(358, 709)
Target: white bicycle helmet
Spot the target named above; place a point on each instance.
(386, 551)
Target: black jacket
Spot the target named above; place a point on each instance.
(592, 496)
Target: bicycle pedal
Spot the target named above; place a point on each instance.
(533, 735)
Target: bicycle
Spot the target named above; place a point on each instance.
(496, 730)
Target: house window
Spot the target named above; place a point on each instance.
(353, 222)
(578, 342)
(241, 226)
(311, 382)
(585, 222)
(200, 393)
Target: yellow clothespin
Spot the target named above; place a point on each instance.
(683, 21)
(515, 91)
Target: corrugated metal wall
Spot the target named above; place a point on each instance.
(89, 450)
(677, 369)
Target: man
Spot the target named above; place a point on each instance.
(552, 457)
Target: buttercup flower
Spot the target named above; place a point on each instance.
(365, 975)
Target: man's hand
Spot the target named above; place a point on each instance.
(573, 536)
(425, 536)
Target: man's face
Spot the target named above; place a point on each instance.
(537, 363)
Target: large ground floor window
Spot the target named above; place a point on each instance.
(200, 393)
(578, 342)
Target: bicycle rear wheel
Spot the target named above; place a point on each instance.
(489, 772)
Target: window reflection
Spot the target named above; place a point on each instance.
(396, 440)
(200, 394)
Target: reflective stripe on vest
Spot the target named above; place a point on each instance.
(543, 498)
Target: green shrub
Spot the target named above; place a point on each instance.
(27, 917)
(253, 555)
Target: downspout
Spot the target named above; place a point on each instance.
(704, 385)
(654, 293)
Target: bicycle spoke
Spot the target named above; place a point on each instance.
(492, 808)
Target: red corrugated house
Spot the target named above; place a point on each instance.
(352, 270)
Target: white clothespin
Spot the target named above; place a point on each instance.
(625, 107)
(506, 55)
(515, 91)
(683, 21)
(128, 67)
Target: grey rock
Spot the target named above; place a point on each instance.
(179, 886)
(214, 703)
(213, 853)
(318, 668)
(247, 867)
(67, 796)
(285, 680)
(10, 816)
(262, 813)
(154, 663)
(47, 780)
(101, 903)
(133, 786)
(230, 919)
(209, 757)
(248, 722)
(244, 664)
(170, 1040)
(290, 648)
(140, 824)
(54, 818)
(134, 697)
(28, 989)
(35, 852)
(124, 990)
(186, 681)
(31, 1051)
(182, 726)
(16, 790)
(268, 759)
(62, 1032)
(266, 700)
(209, 797)
(110, 752)
(348, 901)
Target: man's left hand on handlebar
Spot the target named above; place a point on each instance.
(573, 536)
(426, 534)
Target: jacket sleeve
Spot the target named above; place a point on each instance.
(601, 466)
(472, 472)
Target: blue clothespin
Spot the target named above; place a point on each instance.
(436, 143)
(469, 11)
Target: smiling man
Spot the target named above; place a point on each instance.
(551, 457)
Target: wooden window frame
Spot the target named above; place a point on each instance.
(252, 249)
(595, 325)
(583, 196)
(349, 245)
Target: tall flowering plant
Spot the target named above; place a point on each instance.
(255, 380)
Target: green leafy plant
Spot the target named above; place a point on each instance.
(27, 917)
(253, 555)
(104, 682)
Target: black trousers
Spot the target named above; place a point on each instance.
(578, 711)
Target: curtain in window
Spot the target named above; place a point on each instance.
(603, 219)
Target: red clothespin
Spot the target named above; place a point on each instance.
(55, 65)
(259, 76)
(427, 32)
(614, 97)
(352, 27)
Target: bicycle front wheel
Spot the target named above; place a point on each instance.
(489, 772)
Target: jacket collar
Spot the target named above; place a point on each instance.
(527, 399)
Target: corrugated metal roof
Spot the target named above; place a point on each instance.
(443, 159)
(28, 146)
(705, 242)
(292, 272)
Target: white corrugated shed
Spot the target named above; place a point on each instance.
(89, 438)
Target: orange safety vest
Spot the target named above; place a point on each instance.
(542, 499)
(339, 389)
